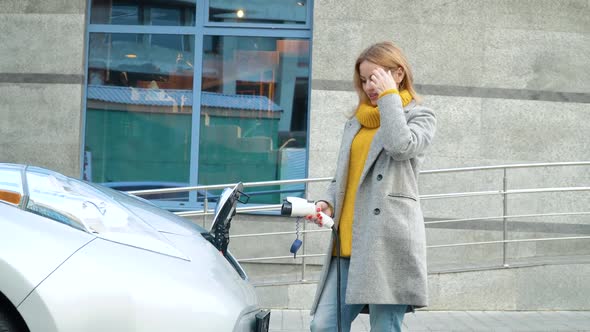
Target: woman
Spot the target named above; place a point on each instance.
(374, 199)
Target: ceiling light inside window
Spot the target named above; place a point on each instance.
(240, 13)
(300, 3)
(131, 56)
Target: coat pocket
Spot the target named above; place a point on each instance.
(401, 195)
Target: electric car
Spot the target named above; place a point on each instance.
(76, 256)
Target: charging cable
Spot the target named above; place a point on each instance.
(300, 207)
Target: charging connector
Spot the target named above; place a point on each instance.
(300, 207)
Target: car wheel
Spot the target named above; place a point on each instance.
(6, 324)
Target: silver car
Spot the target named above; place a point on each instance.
(76, 256)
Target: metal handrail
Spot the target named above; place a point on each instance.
(276, 207)
(198, 213)
(504, 192)
(509, 217)
(436, 246)
(508, 166)
(223, 186)
(241, 260)
(310, 180)
(426, 222)
(279, 233)
(509, 241)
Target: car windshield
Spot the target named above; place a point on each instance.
(80, 205)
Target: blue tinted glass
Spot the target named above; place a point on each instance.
(154, 12)
(254, 113)
(259, 11)
(139, 109)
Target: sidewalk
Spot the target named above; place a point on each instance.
(489, 321)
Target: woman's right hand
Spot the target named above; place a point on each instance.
(321, 206)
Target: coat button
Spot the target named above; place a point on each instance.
(376, 211)
(379, 177)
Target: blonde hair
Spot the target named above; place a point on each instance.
(387, 55)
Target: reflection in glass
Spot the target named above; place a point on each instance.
(258, 11)
(135, 12)
(10, 180)
(254, 112)
(139, 106)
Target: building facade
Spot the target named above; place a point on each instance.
(207, 92)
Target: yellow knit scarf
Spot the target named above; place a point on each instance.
(368, 115)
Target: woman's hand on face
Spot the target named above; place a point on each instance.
(382, 80)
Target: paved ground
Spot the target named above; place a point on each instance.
(491, 321)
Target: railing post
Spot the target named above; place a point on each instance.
(504, 219)
(205, 206)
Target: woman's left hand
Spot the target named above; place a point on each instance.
(382, 80)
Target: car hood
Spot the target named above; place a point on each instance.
(176, 231)
(157, 222)
(158, 218)
(104, 212)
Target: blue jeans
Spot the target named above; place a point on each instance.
(383, 317)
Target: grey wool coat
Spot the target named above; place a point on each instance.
(388, 259)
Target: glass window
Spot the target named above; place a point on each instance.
(139, 109)
(254, 113)
(258, 11)
(136, 12)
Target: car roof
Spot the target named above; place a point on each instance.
(9, 165)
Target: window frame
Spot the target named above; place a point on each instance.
(307, 25)
(201, 29)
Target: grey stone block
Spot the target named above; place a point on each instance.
(299, 296)
(273, 297)
(41, 126)
(531, 45)
(530, 14)
(276, 320)
(480, 290)
(459, 123)
(545, 15)
(435, 62)
(292, 319)
(425, 46)
(324, 166)
(537, 60)
(344, 43)
(511, 128)
(66, 159)
(328, 116)
(43, 7)
(562, 287)
(38, 43)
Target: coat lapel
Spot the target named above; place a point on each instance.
(377, 145)
(374, 150)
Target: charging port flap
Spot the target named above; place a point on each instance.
(224, 212)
